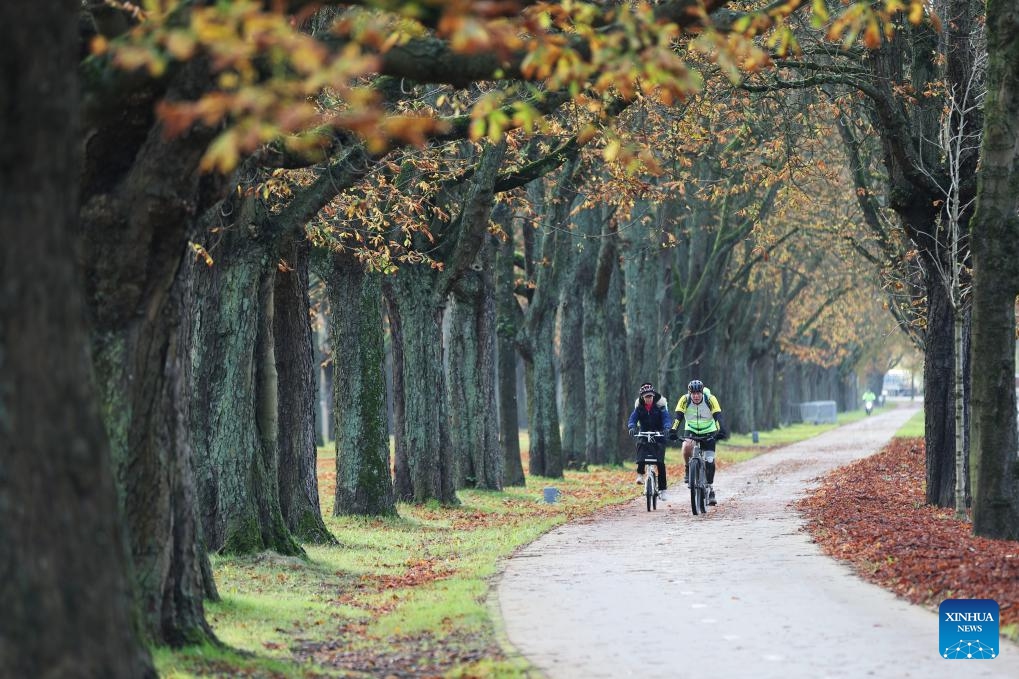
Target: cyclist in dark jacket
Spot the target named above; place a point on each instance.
(651, 413)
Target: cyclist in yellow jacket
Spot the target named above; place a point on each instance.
(698, 410)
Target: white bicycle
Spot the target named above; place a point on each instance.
(647, 448)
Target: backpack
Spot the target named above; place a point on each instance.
(707, 396)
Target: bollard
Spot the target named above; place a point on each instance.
(755, 437)
(551, 495)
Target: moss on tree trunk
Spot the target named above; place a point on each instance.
(364, 483)
(233, 394)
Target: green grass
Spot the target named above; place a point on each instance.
(392, 590)
(212, 661)
(913, 428)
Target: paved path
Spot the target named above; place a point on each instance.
(619, 594)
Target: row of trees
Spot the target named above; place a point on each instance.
(724, 263)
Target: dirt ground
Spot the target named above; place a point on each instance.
(741, 592)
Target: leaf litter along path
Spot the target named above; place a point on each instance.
(872, 514)
(742, 592)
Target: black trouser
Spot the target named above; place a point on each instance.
(657, 451)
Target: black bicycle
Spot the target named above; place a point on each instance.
(648, 450)
(697, 474)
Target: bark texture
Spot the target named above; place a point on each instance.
(364, 485)
(425, 426)
(140, 193)
(471, 376)
(66, 590)
(507, 317)
(296, 370)
(234, 393)
(995, 458)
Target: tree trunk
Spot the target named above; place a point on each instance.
(601, 391)
(960, 457)
(621, 401)
(571, 358)
(234, 393)
(403, 487)
(424, 429)
(297, 387)
(939, 406)
(136, 218)
(647, 309)
(364, 483)
(546, 452)
(995, 458)
(471, 376)
(323, 382)
(507, 314)
(66, 590)
(554, 205)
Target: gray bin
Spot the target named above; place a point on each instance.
(819, 412)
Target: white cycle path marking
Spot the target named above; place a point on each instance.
(742, 592)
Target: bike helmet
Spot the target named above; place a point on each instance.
(695, 386)
(646, 388)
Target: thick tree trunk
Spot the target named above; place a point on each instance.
(425, 425)
(296, 370)
(995, 458)
(66, 589)
(136, 217)
(507, 315)
(546, 451)
(537, 342)
(471, 377)
(364, 483)
(604, 423)
(233, 392)
(647, 308)
(939, 404)
(571, 358)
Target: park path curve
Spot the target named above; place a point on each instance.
(619, 594)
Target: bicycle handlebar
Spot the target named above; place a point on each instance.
(649, 435)
(703, 439)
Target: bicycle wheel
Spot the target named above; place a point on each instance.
(693, 476)
(702, 487)
(649, 491)
(697, 486)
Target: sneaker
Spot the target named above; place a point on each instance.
(661, 496)
(711, 496)
(640, 479)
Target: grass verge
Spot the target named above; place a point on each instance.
(913, 428)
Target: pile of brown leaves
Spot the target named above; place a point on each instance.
(872, 514)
